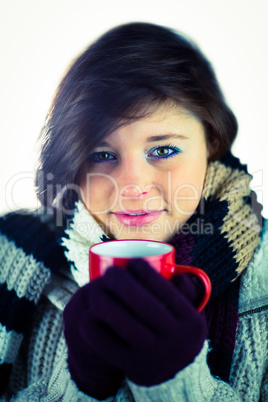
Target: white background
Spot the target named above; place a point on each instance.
(39, 38)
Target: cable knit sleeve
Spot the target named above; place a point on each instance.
(61, 387)
(28, 252)
(194, 383)
(22, 280)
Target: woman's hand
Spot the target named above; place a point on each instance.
(93, 374)
(141, 323)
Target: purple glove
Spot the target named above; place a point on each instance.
(92, 373)
(191, 287)
(141, 323)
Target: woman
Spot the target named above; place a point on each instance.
(136, 146)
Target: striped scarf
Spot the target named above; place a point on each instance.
(220, 238)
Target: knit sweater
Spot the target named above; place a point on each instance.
(37, 359)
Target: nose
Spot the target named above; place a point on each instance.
(132, 191)
(134, 177)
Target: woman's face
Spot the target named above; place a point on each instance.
(146, 178)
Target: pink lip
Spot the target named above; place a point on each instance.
(137, 217)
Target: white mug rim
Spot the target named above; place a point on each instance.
(146, 248)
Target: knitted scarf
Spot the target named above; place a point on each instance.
(220, 238)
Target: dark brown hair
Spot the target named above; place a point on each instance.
(117, 79)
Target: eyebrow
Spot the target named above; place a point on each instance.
(166, 137)
(103, 144)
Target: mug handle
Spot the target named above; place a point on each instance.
(188, 269)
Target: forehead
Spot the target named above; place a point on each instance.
(172, 120)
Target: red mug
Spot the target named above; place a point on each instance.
(161, 257)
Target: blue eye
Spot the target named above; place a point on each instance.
(163, 152)
(102, 156)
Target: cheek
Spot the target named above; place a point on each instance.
(99, 192)
(187, 190)
(186, 198)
